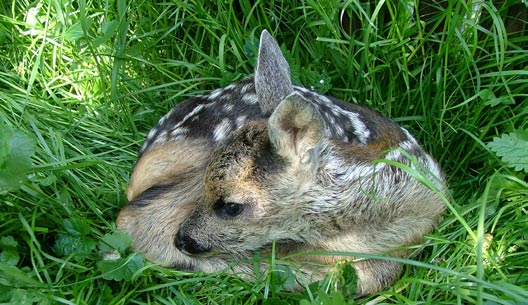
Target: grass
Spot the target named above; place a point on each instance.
(82, 82)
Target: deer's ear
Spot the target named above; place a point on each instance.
(272, 77)
(295, 128)
(163, 162)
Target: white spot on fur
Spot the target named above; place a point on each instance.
(166, 116)
(221, 130)
(246, 88)
(214, 94)
(144, 146)
(228, 107)
(178, 132)
(151, 134)
(191, 114)
(360, 129)
(231, 86)
(250, 98)
(162, 137)
(163, 119)
(240, 121)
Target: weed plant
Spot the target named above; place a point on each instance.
(82, 82)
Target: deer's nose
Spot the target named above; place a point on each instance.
(188, 245)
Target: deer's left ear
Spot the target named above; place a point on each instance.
(295, 128)
(272, 77)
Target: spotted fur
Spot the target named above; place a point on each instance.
(225, 174)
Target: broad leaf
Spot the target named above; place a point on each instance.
(9, 254)
(75, 239)
(122, 268)
(115, 241)
(16, 149)
(513, 149)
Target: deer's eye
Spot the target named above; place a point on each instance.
(228, 209)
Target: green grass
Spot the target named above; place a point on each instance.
(82, 82)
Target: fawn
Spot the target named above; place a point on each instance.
(228, 173)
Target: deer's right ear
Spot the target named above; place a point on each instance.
(272, 77)
(295, 128)
(163, 162)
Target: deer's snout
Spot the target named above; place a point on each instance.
(188, 245)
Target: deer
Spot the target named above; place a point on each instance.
(265, 162)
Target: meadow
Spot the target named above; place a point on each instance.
(82, 82)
